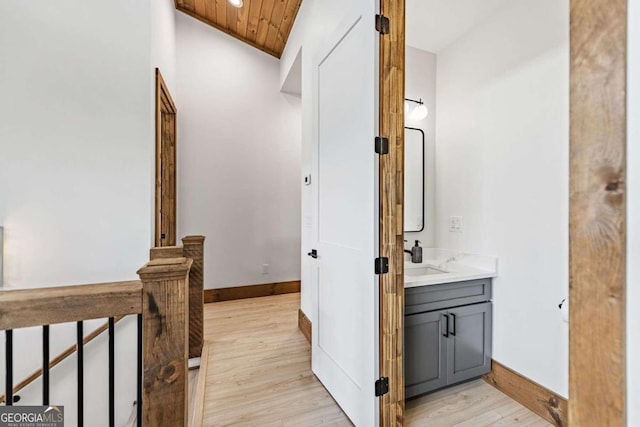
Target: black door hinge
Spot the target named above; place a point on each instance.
(382, 265)
(382, 24)
(382, 145)
(382, 386)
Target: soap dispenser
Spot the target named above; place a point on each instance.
(416, 253)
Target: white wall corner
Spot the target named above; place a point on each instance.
(293, 81)
(295, 40)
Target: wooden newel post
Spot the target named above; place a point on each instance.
(165, 320)
(193, 248)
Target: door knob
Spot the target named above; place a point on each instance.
(313, 254)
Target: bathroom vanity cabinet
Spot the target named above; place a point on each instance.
(447, 334)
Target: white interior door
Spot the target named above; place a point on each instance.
(345, 228)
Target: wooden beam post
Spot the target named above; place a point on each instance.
(392, 69)
(193, 248)
(165, 318)
(165, 252)
(598, 213)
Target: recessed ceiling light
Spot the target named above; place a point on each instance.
(236, 3)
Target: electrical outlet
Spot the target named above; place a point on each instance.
(455, 224)
(265, 268)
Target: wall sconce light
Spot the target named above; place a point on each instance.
(418, 112)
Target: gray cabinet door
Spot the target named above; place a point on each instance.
(469, 342)
(425, 360)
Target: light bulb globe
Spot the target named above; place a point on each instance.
(420, 112)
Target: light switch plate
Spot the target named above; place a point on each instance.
(455, 224)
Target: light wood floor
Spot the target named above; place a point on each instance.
(259, 375)
(259, 367)
(473, 404)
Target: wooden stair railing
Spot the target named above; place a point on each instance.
(193, 248)
(161, 302)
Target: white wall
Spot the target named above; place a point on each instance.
(420, 83)
(238, 158)
(502, 164)
(633, 216)
(315, 19)
(163, 44)
(74, 135)
(163, 57)
(75, 164)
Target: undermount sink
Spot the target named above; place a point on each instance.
(423, 271)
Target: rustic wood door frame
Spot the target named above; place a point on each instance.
(597, 380)
(166, 163)
(391, 170)
(597, 266)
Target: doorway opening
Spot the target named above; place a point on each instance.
(597, 104)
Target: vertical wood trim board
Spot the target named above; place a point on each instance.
(166, 162)
(304, 324)
(533, 396)
(597, 213)
(197, 418)
(391, 92)
(193, 248)
(252, 291)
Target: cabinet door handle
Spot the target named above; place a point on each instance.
(446, 326)
(453, 324)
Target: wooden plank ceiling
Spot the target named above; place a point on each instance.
(264, 24)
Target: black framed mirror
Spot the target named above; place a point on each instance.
(414, 220)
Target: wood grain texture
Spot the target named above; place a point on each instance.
(165, 347)
(304, 324)
(252, 291)
(263, 24)
(196, 399)
(193, 248)
(598, 213)
(392, 74)
(547, 404)
(260, 367)
(472, 404)
(254, 19)
(165, 191)
(265, 21)
(165, 252)
(47, 306)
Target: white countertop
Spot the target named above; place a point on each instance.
(448, 266)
